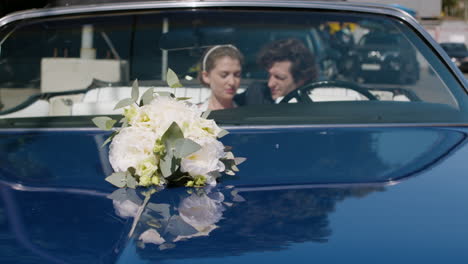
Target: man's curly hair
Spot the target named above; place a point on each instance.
(303, 67)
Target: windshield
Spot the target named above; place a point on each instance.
(356, 68)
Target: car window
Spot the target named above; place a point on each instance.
(370, 68)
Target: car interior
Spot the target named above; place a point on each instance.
(83, 66)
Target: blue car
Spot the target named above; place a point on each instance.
(342, 169)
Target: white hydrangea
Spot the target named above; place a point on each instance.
(206, 160)
(130, 147)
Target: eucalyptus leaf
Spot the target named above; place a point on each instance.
(123, 103)
(172, 79)
(125, 123)
(169, 94)
(239, 160)
(118, 179)
(229, 155)
(110, 124)
(165, 164)
(102, 122)
(109, 139)
(222, 133)
(148, 96)
(171, 135)
(135, 91)
(131, 182)
(185, 147)
(168, 165)
(206, 114)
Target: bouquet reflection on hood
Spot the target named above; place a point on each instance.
(162, 224)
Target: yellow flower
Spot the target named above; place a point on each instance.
(130, 112)
(189, 184)
(199, 181)
(147, 167)
(156, 180)
(145, 181)
(159, 148)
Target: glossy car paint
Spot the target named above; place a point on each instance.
(326, 194)
(322, 194)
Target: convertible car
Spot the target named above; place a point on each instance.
(348, 169)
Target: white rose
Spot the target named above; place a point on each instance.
(200, 127)
(130, 147)
(164, 110)
(205, 160)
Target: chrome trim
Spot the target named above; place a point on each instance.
(134, 6)
(371, 8)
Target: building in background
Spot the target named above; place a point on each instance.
(425, 9)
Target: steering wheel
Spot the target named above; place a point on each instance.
(301, 94)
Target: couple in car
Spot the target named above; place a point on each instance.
(289, 64)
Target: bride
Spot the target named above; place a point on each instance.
(221, 72)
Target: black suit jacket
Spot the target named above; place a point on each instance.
(256, 93)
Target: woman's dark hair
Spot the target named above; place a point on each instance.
(303, 67)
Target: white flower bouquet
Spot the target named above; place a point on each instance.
(165, 140)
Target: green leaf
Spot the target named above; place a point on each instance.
(222, 133)
(123, 103)
(239, 160)
(118, 179)
(206, 114)
(185, 147)
(109, 139)
(125, 122)
(169, 94)
(135, 91)
(172, 79)
(183, 98)
(168, 165)
(110, 124)
(148, 96)
(172, 133)
(229, 155)
(131, 182)
(104, 122)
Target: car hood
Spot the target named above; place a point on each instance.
(326, 194)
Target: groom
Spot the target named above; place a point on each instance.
(289, 64)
